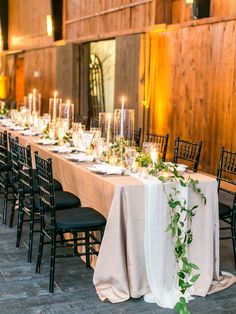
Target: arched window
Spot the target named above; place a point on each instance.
(96, 87)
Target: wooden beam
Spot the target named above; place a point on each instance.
(112, 10)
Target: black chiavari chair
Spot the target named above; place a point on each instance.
(5, 173)
(162, 140)
(29, 205)
(188, 151)
(226, 177)
(76, 220)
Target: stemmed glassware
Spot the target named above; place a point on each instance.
(130, 156)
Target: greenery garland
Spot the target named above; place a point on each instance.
(180, 226)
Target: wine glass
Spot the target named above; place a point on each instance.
(130, 155)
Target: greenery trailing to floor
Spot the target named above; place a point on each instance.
(180, 226)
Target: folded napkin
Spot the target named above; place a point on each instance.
(45, 141)
(80, 157)
(30, 133)
(64, 149)
(17, 128)
(107, 169)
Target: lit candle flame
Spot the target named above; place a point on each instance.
(123, 102)
(55, 94)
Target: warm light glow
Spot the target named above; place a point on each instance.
(68, 101)
(3, 87)
(55, 94)
(123, 102)
(49, 25)
(34, 91)
(189, 2)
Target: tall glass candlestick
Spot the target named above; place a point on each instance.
(105, 125)
(54, 107)
(122, 117)
(108, 128)
(36, 102)
(67, 113)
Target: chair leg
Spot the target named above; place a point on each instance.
(234, 240)
(87, 249)
(5, 205)
(19, 227)
(102, 233)
(12, 212)
(40, 251)
(75, 248)
(52, 263)
(31, 236)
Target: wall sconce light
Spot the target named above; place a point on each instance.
(49, 25)
(189, 2)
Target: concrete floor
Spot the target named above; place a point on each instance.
(24, 292)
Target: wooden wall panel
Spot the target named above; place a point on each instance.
(195, 83)
(180, 11)
(127, 73)
(27, 23)
(20, 80)
(44, 62)
(223, 8)
(96, 19)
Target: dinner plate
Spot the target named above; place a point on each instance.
(80, 157)
(17, 128)
(30, 133)
(107, 169)
(179, 167)
(61, 149)
(45, 141)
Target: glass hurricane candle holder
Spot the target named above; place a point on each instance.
(105, 126)
(67, 114)
(54, 108)
(60, 134)
(124, 124)
(36, 103)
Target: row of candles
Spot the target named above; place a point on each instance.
(57, 109)
(60, 119)
(112, 126)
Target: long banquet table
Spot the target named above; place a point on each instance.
(120, 270)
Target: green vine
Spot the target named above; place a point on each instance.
(180, 227)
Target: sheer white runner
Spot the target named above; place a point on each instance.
(161, 266)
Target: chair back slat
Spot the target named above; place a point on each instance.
(189, 151)
(26, 180)
(227, 167)
(162, 140)
(14, 159)
(46, 186)
(4, 154)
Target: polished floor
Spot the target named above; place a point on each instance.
(24, 292)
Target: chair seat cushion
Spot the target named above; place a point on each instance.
(77, 218)
(63, 200)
